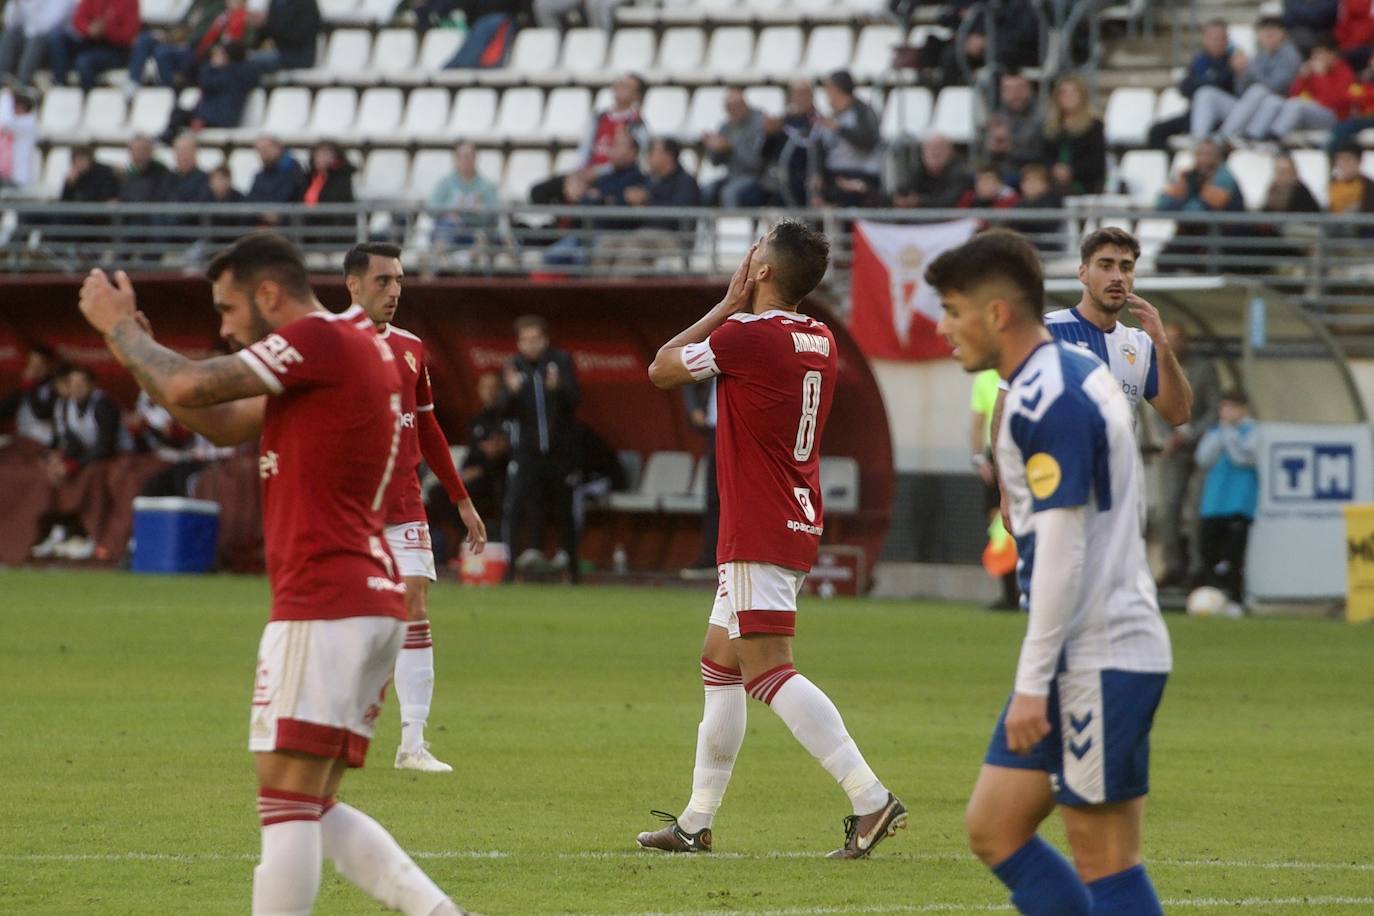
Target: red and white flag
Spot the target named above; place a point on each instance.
(893, 312)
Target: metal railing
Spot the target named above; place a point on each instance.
(1325, 263)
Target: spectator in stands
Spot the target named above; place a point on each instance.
(1019, 107)
(484, 467)
(1016, 29)
(1230, 491)
(287, 32)
(28, 25)
(1211, 66)
(668, 185)
(281, 180)
(999, 149)
(737, 145)
(989, 191)
(491, 31)
(18, 138)
(330, 181)
(89, 181)
(599, 14)
(179, 51)
(1354, 32)
(1038, 193)
(938, 180)
(608, 189)
(222, 191)
(846, 163)
(1350, 191)
(540, 398)
(188, 183)
(145, 179)
(1269, 75)
(458, 194)
(1359, 117)
(788, 142)
(1207, 187)
(31, 407)
(428, 14)
(1287, 193)
(226, 81)
(96, 38)
(1074, 145)
(1309, 21)
(594, 152)
(1318, 99)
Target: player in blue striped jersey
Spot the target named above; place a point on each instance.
(1075, 733)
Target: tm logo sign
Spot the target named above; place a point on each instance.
(1312, 472)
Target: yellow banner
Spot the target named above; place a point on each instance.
(1359, 534)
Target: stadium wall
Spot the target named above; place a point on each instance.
(612, 328)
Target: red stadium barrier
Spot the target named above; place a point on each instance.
(611, 328)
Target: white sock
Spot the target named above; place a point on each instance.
(816, 723)
(415, 684)
(368, 856)
(287, 879)
(719, 738)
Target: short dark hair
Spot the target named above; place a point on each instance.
(360, 256)
(263, 253)
(77, 369)
(800, 255)
(842, 80)
(1270, 22)
(24, 100)
(1236, 396)
(531, 321)
(998, 254)
(1108, 235)
(1354, 149)
(1217, 23)
(671, 145)
(222, 170)
(640, 85)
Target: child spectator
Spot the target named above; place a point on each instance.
(1230, 492)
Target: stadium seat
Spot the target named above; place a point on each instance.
(1242, 35)
(734, 235)
(566, 114)
(1153, 235)
(726, 12)
(566, 161)
(60, 116)
(345, 57)
(729, 53)
(116, 157)
(584, 55)
(1171, 104)
(519, 115)
(953, 114)
(533, 58)
(839, 485)
(336, 11)
(209, 158)
(1252, 170)
(385, 174)
(873, 53)
(437, 49)
(163, 12)
(376, 11)
(665, 109)
(426, 114)
(771, 100)
(829, 48)
(288, 110)
(334, 112)
(427, 168)
(679, 54)
(106, 111)
(394, 53)
(679, 11)
(244, 165)
(1128, 116)
(491, 165)
(778, 51)
(632, 463)
(706, 113)
(906, 113)
(632, 51)
(1314, 168)
(665, 473)
(524, 167)
(379, 115)
(55, 168)
(1144, 172)
(474, 112)
(151, 110)
(693, 499)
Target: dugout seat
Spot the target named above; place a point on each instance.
(693, 499)
(665, 473)
(840, 485)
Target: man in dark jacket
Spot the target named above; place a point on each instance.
(1211, 66)
(32, 405)
(187, 183)
(1309, 21)
(668, 185)
(145, 181)
(937, 180)
(226, 81)
(88, 182)
(608, 189)
(291, 27)
(541, 394)
(846, 165)
(281, 180)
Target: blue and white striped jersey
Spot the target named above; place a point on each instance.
(1127, 352)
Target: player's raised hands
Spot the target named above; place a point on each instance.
(105, 304)
(1027, 722)
(1149, 319)
(740, 296)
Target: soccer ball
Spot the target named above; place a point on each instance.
(1207, 601)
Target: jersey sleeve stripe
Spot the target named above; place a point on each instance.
(700, 360)
(424, 407)
(260, 369)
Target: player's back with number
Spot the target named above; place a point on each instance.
(777, 383)
(328, 452)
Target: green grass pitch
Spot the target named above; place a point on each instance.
(126, 787)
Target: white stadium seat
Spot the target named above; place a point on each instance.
(839, 484)
(426, 114)
(385, 174)
(335, 111)
(873, 53)
(151, 111)
(374, 11)
(288, 110)
(730, 52)
(105, 113)
(953, 114)
(437, 49)
(345, 56)
(566, 161)
(1242, 35)
(584, 54)
(1153, 235)
(1253, 171)
(680, 51)
(394, 53)
(474, 112)
(55, 169)
(665, 473)
(1144, 172)
(339, 10)
(665, 109)
(829, 48)
(209, 158)
(1171, 104)
(907, 112)
(707, 111)
(632, 50)
(60, 116)
(1314, 168)
(524, 168)
(533, 57)
(778, 51)
(491, 165)
(116, 157)
(244, 165)
(566, 114)
(379, 114)
(726, 11)
(771, 100)
(1130, 111)
(427, 168)
(520, 113)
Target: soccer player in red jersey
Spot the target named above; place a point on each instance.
(373, 274)
(322, 394)
(776, 372)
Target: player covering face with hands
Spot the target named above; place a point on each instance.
(776, 374)
(322, 394)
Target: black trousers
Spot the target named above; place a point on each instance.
(539, 486)
(1222, 543)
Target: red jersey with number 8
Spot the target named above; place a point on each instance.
(329, 446)
(777, 380)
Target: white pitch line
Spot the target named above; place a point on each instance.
(1184, 903)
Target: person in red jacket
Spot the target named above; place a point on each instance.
(97, 38)
(1354, 31)
(1319, 98)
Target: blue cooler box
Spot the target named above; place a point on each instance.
(174, 535)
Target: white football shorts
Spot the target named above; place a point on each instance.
(757, 598)
(409, 544)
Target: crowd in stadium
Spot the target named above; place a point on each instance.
(1310, 71)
